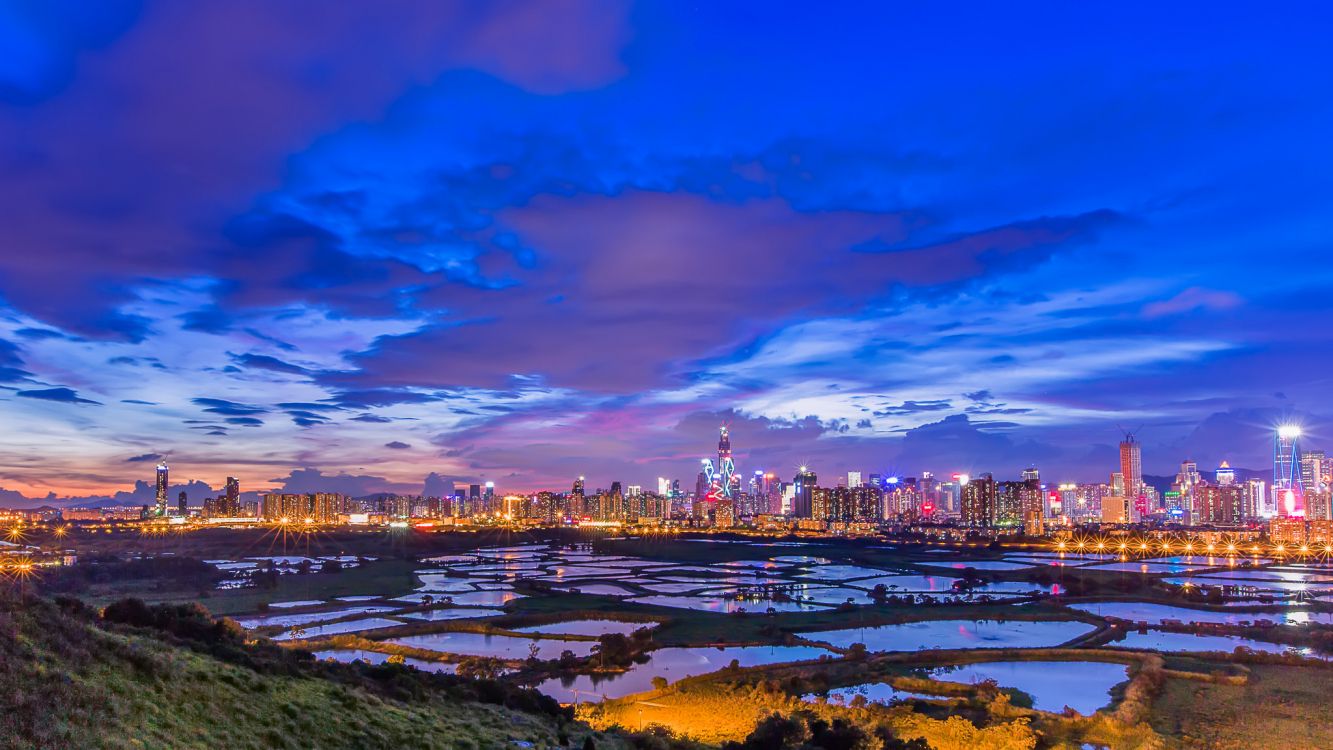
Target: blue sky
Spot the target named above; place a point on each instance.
(525, 241)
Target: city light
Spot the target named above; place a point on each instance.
(1289, 431)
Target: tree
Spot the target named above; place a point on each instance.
(480, 667)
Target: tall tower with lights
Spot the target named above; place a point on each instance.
(162, 489)
(1131, 465)
(1288, 491)
(726, 467)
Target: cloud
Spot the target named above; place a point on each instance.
(437, 486)
(145, 458)
(265, 362)
(223, 406)
(63, 395)
(397, 445)
(1191, 300)
(245, 421)
(355, 485)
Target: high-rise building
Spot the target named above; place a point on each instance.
(230, 505)
(576, 500)
(182, 504)
(1226, 476)
(1131, 465)
(725, 481)
(978, 500)
(162, 482)
(1313, 468)
(1287, 472)
(803, 496)
(1215, 504)
(853, 479)
(1008, 508)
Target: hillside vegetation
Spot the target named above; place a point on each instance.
(172, 677)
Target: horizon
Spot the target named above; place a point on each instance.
(526, 242)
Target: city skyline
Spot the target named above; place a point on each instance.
(1287, 462)
(535, 241)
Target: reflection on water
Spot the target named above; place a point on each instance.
(1081, 685)
(957, 634)
(672, 664)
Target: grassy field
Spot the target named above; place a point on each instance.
(1280, 706)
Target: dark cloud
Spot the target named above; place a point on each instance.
(361, 399)
(64, 395)
(265, 362)
(371, 418)
(231, 408)
(44, 42)
(38, 334)
(397, 445)
(913, 407)
(355, 485)
(145, 458)
(245, 421)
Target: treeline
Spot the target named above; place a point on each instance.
(180, 572)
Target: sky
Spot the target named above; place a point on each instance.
(385, 246)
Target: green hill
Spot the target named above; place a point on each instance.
(172, 677)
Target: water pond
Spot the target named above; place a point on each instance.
(442, 615)
(957, 634)
(1154, 640)
(720, 604)
(586, 627)
(1081, 685)
(351, 626)
(672, 664)
(501, 646)
(1156, 613)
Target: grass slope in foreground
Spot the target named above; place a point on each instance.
(178, 679)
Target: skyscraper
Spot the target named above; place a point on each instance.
(726, 467)
(853, 479)
(803, 497)
(162, 489)
(1131, 466)
(1226, 476)
(1287, 472)
(577, 499)
(978, 500)
(232, 500)
(1313, 466)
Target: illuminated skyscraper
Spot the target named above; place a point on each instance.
(853, 479)
(726, 467)
(1131, 466)
(1313, 466)
(1226, 476)
(979, 501)
(1287, 472)
(576, 500)
(232, 500)
(162, 489)
(803, 493)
